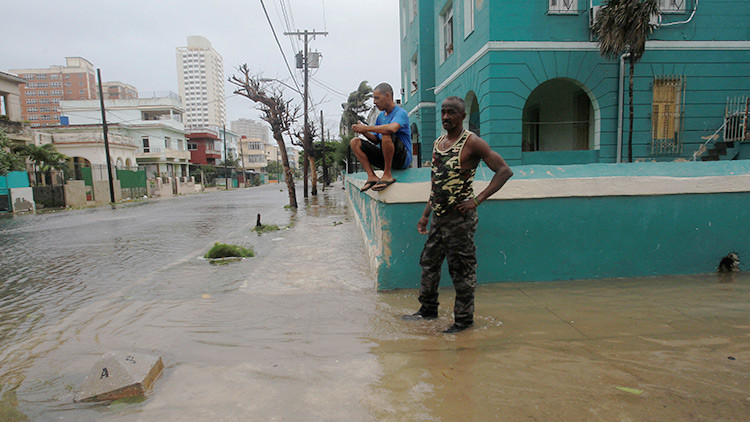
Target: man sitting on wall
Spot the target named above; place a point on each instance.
(387, 144)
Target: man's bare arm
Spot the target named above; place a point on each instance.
(388, 129)
(480, 149)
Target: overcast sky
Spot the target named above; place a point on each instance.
(134, 41)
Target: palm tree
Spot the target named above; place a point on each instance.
(622, 26)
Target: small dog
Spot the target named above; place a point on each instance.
(729, 264)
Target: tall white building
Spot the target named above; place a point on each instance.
(200, 78)
(251, 129)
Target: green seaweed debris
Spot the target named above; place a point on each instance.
(265, 228)
(222, 250)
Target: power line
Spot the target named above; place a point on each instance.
(279, 44)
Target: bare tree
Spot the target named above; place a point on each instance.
(308, 166)
(278, 112)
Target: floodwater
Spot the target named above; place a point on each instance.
(297, 333)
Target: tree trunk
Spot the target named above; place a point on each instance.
(305, 171)
(313, 175)
(630, 93)
(287, 171)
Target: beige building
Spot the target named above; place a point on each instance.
(253, 154)
(200, 79)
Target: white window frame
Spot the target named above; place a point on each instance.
(563, 7)
(445, 17)
(468, 17)
(413, 75)
(403, 21)
(672, 6)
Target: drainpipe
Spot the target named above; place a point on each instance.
(620, 99)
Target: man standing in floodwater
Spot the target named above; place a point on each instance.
(388, 143)
(455, 157)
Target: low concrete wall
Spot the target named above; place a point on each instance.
(159, 188)
(75, 193)
(101, 192)
(22, 199)
(572, 222)
(186, 185)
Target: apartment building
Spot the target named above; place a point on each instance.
(251, 129)
(46, 87)
(200, 79)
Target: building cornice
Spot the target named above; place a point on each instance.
(423, 104)
(585, 46)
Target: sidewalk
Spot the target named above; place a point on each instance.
(674, 348)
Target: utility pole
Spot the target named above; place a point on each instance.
(226, 179)
(305, 66)
(106, 139)
(323, 143)
(242, 163)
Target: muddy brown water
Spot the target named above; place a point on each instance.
(298, 333)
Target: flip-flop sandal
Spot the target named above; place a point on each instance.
(368, 185)
(382, 184)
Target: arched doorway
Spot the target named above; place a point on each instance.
(472, 121)
(77, 164)
(560, 115)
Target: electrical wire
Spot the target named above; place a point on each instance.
(279, 44)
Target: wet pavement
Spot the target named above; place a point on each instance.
(298, 332)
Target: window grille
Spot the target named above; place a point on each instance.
(736, 120)
(672, 6)
(563, 6)
(666, 118)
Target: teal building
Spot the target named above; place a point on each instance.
(538, 91)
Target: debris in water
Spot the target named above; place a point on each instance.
(730, 357)
(222, 250)
(630, 390)
(118, 375)
(206, 296)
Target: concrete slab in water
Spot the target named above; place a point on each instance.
(119, 375)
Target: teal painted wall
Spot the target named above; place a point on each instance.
(503, 80)
(14, 179)
(572, 238)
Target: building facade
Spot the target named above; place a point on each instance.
(538, 91)
(200, 78)
(251, 129)
(205, 147)
(46, 87)
(154, 123)
(253, 154)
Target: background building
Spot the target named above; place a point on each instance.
(45, 88)
(251, 129)
(117, 90)
(253, 154)
(200, 79)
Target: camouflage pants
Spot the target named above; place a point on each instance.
(451, 236)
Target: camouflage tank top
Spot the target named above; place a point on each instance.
(451, 184)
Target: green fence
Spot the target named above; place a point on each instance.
(132, 183)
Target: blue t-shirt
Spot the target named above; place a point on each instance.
(398, 115)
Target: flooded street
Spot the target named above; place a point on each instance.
(297, 333)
